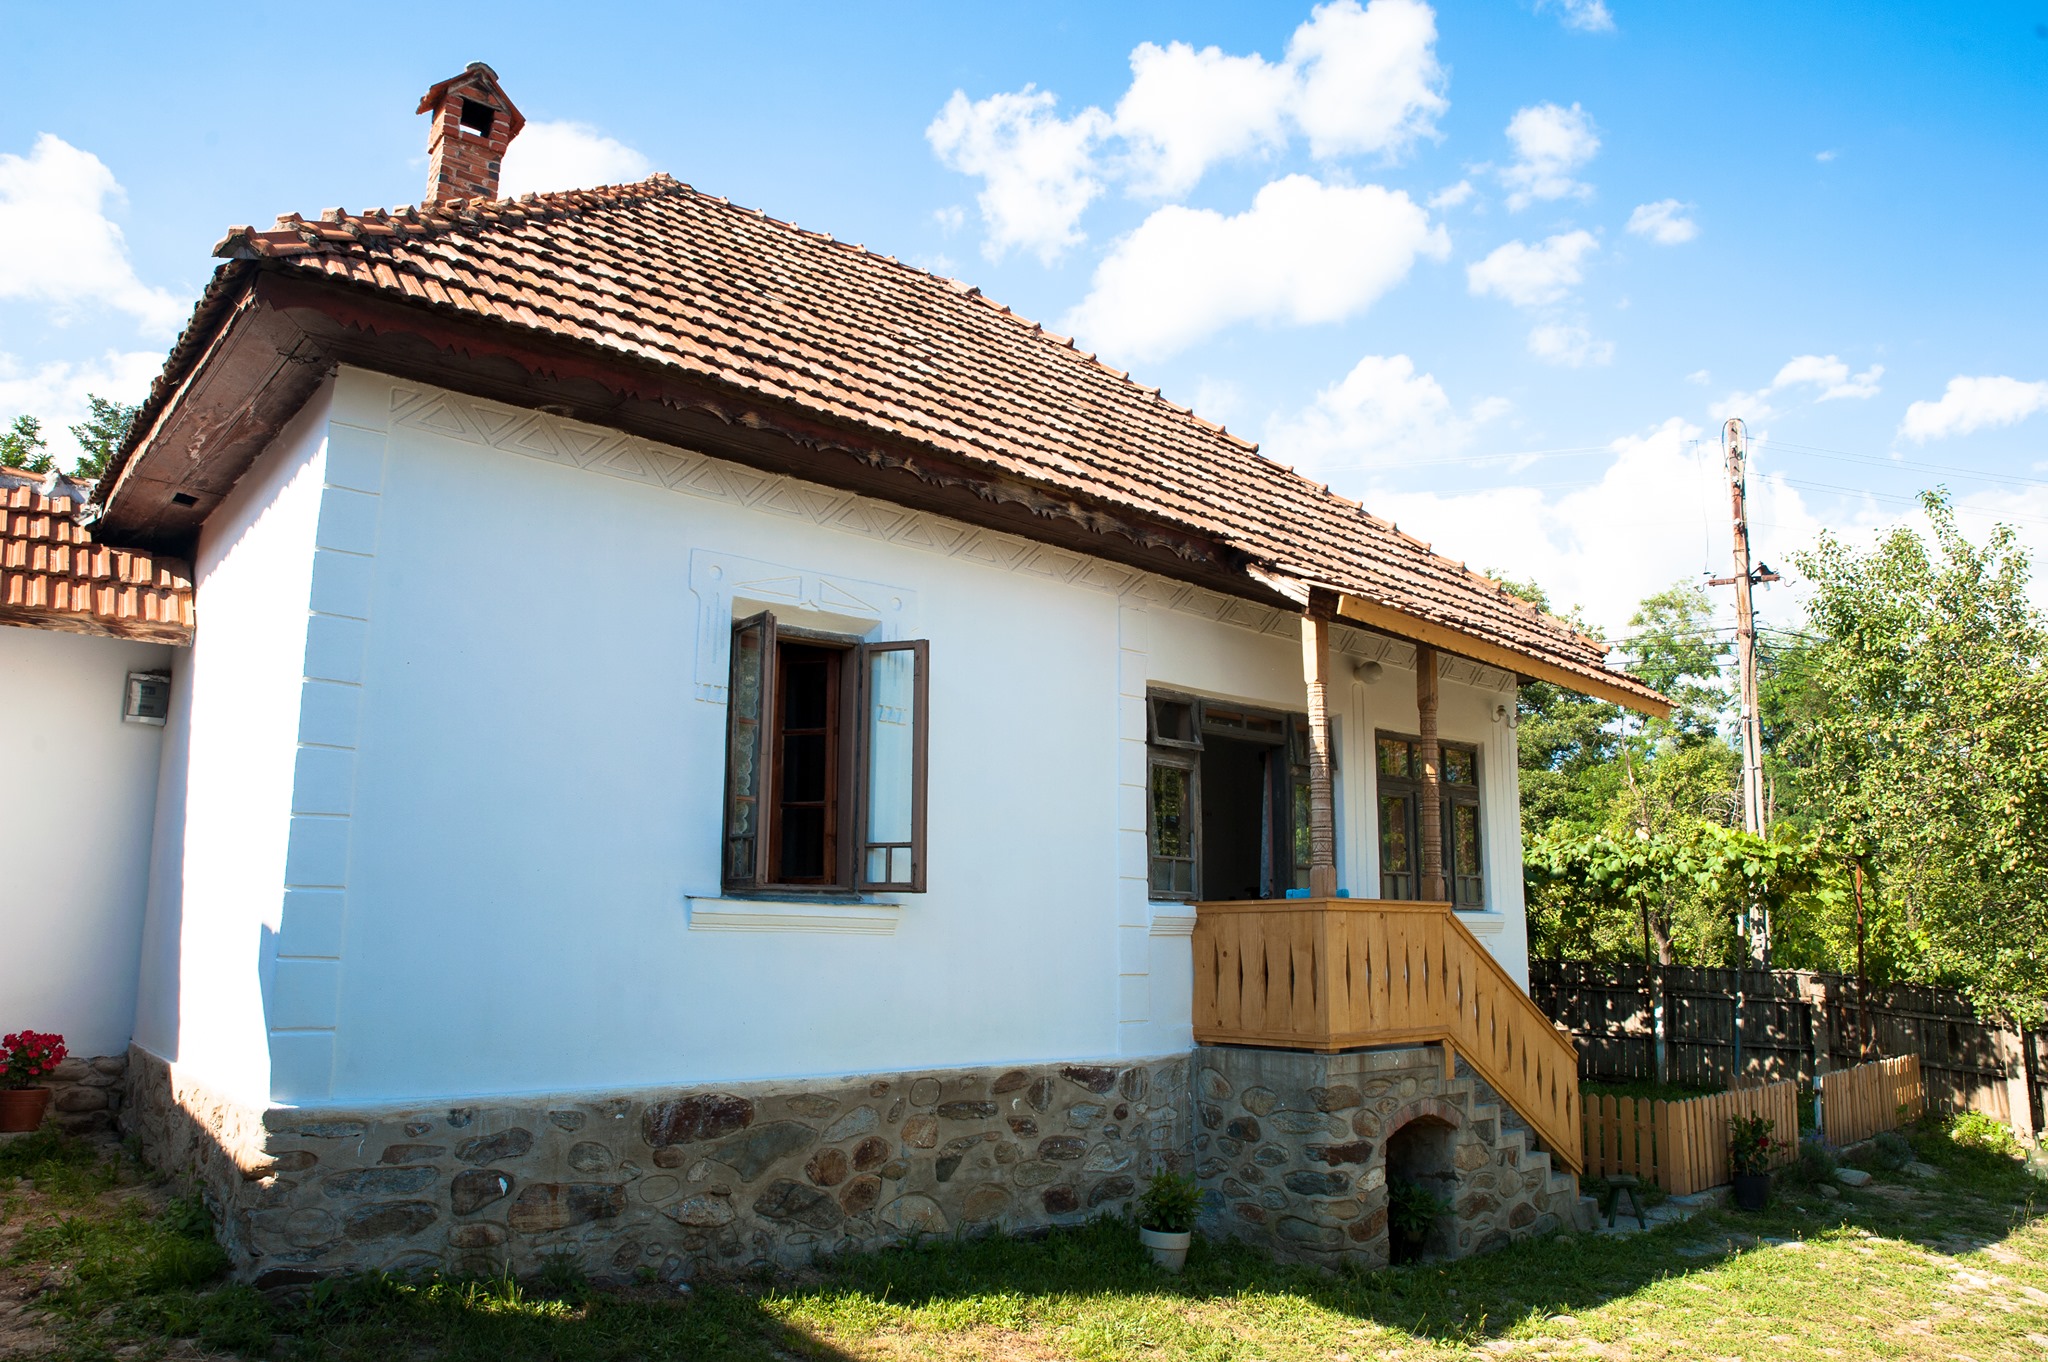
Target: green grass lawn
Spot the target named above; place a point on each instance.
(1952, 1266)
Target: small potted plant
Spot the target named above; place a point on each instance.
(1750, 1147)
(1166, 1217)
(26, 1056)
(1413, 1210)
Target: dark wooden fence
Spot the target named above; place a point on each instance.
(1708, 1027)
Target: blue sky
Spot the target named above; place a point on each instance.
(1491, 268)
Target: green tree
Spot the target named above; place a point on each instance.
(101, 434)
(1922, 746)
(1566, 744)
(22, 446)
(1674, 646)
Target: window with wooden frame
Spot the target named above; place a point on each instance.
(1226, 799)
(826, 741)
(1399, 764)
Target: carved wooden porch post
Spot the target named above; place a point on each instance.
(1430, 810)
(1322, 822)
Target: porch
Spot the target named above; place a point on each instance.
(1330, 974)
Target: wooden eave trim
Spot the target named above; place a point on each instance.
(137, 631)
(348, 323)
(1478, 649)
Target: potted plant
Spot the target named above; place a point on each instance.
(1750, 1147)
(1166, 1217)
(26, 1056)
(1413, 1210)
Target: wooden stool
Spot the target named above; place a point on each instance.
(1618, 1186)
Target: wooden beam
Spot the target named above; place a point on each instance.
(1322, 823)
(1400, 623)
(1430, 810)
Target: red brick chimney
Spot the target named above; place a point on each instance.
(473, 124)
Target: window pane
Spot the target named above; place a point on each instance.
(1460, 766)
(1170, 823)
(892, 749)
(745, 705)
(1173, 720)
(1464, 839)
(1394, 834)
(1394, 758)
(1301, 829)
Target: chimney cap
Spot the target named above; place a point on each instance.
(477, 76)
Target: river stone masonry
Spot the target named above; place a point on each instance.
(663, 1181)
(86, 1093)
(1291, 1148)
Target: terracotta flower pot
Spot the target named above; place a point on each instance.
(1752, 1190)
(21, 1109)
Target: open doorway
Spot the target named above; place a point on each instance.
(1422, 1188)
(1228, 787)
(1235, 805)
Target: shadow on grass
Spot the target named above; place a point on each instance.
(1979, 1199)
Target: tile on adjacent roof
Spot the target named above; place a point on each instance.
(659, 271)
(53, 576)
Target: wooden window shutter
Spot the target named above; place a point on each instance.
(893, 742)
(748, 715)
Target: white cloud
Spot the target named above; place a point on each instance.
(1551, 142)
(1381, 414)
(1186, 110)
(1700, 376)
(1654, 514)
(565, 155)
(1303, 252)
(1664, 222)
(1456, 196)
(1356, 80)
(1972, 404)
(951, 218)
(59, 247)
(1039, 168)
(1369, 78)
(1530, 276)
(1825, 156)
(1587, 16)
(1826, 374)
(54, 392)
(1570, 346)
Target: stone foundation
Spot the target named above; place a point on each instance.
(663, 1181)
(1292, 1149)
(86, 1094)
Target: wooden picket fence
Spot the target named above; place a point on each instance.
(1681, 1146)
(1859, 1102)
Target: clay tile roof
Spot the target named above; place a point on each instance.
(659, 271)
(53, 576)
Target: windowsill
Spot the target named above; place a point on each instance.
(1482, 921)
(1172, 917)
(838, 914)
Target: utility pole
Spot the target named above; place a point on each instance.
(1734, 447)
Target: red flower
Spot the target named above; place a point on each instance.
(28, 1055)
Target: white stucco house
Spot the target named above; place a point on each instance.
(701, 742)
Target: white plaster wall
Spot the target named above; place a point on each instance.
(536, 764)
(75, 838)
(223, 810)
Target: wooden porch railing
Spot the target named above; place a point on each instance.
(1335, 974)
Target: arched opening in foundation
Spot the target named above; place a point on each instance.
(1422, 1188)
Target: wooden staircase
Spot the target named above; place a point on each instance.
(1340, 974)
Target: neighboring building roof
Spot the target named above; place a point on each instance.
(52, 575)
(658, 273)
